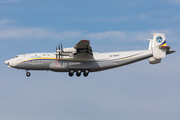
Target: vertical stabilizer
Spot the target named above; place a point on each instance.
(158, 40)
(150, 43)
(159, 46)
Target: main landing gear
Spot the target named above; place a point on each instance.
(71, 73)
(28, 74)
(78, 73)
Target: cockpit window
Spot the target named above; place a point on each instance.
(15, 56)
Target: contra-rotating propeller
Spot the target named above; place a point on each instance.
(59, 52)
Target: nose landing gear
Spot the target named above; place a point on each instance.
(28, 74)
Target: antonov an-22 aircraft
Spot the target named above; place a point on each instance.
(80, 58)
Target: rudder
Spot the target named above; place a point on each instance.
(159, 46)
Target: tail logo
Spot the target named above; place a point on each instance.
(159, 39)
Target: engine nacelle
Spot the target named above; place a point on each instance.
(66, 52)
(152, 60)
(69, 50)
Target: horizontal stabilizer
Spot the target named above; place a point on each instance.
(165, 47)
(170, 51)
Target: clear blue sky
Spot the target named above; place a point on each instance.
(138, 91)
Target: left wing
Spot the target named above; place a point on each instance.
(83, 46)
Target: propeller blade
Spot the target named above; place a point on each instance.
(56, 51)
(59, 46)
(59, 51)
(59, 55)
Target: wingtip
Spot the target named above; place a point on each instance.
(84, 40)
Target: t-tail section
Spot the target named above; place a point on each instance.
(159, 48)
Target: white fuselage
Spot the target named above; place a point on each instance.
(99, 61)
(81, 59)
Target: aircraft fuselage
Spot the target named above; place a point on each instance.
(99, 61)
(81, 59)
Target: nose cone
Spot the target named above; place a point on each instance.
(11, 63)
(7, 62)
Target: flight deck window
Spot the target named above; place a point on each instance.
(15, 56)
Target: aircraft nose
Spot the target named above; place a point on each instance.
(6, 62)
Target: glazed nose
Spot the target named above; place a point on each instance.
(6, 62)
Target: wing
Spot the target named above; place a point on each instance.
(83, 46)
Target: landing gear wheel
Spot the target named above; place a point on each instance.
(86, 72)
(71, 73)
(78, 73)
(28, 74)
